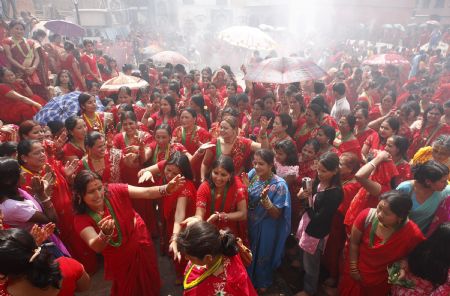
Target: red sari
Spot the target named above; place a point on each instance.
(62, 201)
(133, 266)
(426, 137)
(159, 119)
(235, 193)
(164, 154)
(129, 175)
(69, 149)
(111, 173)
(15, 111)
(169, 208)
(233, 280)
(98, 125)
(383, 174)
(67, 64)
(373, 261)
(362, 137)
(192, 141)
(303, 134)
(240, 152)
(336, 240)
(404, 172)
(349, 146)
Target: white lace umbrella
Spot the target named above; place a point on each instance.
(172, 57)
(247, 37)
(112, 85)
(284, 70)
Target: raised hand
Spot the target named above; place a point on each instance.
(42, 233)
(38, 187)
(189, 221)
(145, 175)
(174, 249)
(70, 168)
(245, 180)
(176, 183)
(61, 140)
(107, 225)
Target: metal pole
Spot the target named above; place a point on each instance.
(75, 2)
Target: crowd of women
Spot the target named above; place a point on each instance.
(349, 173)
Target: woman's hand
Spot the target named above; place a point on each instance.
(39, 187)
(264, 124)
(383, 156)
(176, 183)
(173, 248)
(213, 218)
(202, 149)
(107, 225)
(304, 193)
(36, 105)
(145, 175)
(245, 180)
(190, 221)
(42, 233)
(61, 140)
(70, 168)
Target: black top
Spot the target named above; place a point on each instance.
(321, 215)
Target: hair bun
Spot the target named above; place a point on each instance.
(229, 243)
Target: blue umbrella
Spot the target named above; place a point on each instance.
(62, 107)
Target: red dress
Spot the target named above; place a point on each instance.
(164, 154)
(192, 141)
(69, 149)
(92, 63)
(15, 111)
(169, 208)
(350, 146)
(303, 134)
(67, 64)
(98, 125)
(240, 152)
(362, 137)
(133, 266)
(373, 261)
(336, 240)
(158, 119)
(427, 137)
(236, 193)
(71, 271)
(233, 280)
(383, 174)
(404, 172)
(111, 172)
(129, 175)
(62, 202)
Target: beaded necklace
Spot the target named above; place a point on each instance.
(96, 217)
(201, 278)
(97, 125)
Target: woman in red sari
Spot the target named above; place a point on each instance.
(345, 140)
(362, 131)
(33, 161)
(167, 114)
(197, 103)
(215, 267)
(17, 100)
(375, 178)
(22, 55)
(250, 123)
(309, 128)
(386, 106)
(124, 97)
(95, 121)
(191, 136)
(379, 237)
(375, 142)
(106, 163)
(163, 147)
(397, 147)
(296, 108)
(431, 129)
(107, 223)
(76, 133)
(176, 206)
(70, 62)
(222, 199)
(282, 130)
(230, 143)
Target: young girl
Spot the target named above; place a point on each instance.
(321, 202)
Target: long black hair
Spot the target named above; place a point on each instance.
(182, 162)
(226, 163)
(9, 179)
(430, 259)
(17, 247)
(290, 150)
(330, 161)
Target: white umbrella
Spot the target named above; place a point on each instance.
(172, 57)
(247, 37)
